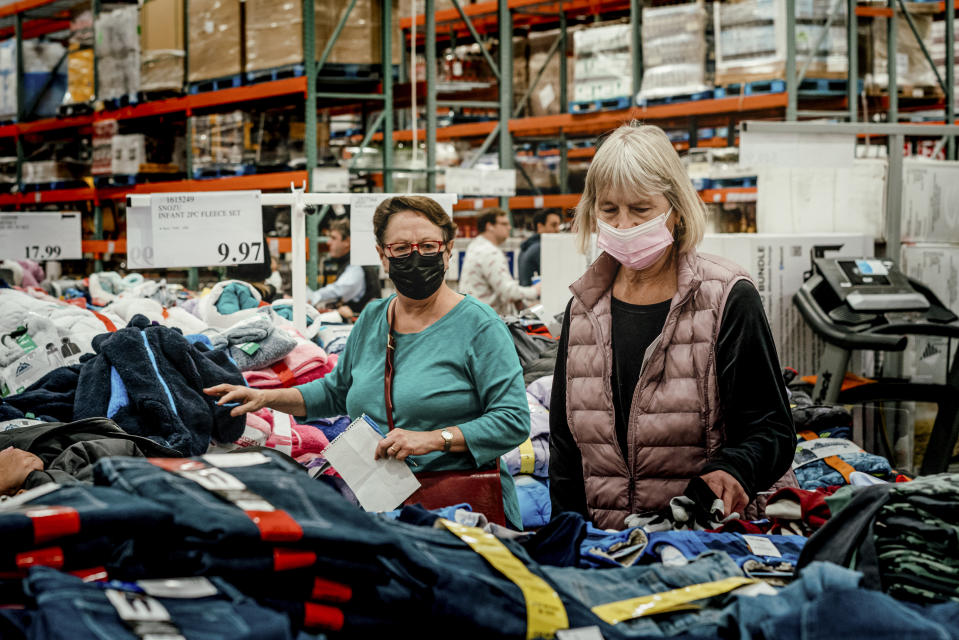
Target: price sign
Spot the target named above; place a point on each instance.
(139, 238)
(362, 207)
(331, 180)
(223, 228)
(481, 182)
(40, 236)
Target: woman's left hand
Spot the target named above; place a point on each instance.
(400, 443)
(727, 489)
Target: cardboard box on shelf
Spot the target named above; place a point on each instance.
(79, 77)
(128, 153)
(360, 41)
(930, 201)
(912, 68)
(215, 39)
(674, 51)
(603, 62)
(274, 33)
(118, 53)
(544, 99)
(161, 42)
(45, 171)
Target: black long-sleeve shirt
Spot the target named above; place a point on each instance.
(760, 436)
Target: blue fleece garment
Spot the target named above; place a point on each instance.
(818, 474)
(199, 338)
(235, 297)
(534, 504)
(693, 543)
(286, 311)
(118, 394)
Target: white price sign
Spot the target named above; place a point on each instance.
(481, 182)
(139, 238)
(362, 207)
(40, 236)
(331, 180)
(221, 228)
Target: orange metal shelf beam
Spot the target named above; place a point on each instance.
(602, 120)
(570, 200)
(731, 194)
(874, 12)
(50, 124)
(484, 14)
(21, 6)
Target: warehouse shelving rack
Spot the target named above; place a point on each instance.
(498, 18)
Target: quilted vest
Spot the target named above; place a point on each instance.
(675, 424)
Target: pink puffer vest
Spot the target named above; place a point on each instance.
(675, 425)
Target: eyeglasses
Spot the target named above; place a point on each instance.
(404, 249)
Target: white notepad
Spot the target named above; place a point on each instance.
(379, 485)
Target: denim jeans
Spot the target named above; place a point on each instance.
(693, 543)
(440, 575)
(88, 512)
(67, 608)
(827, 602)
(597, 587)
(203, 519)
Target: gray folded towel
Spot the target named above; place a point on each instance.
(254, 343)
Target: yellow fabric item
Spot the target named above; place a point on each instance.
(545, 613)
(527, 457)
(675, 600)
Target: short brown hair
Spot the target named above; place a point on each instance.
(343, 226)
(488, 217)
(427, 207)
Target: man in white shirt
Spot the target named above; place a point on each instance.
(485, 274)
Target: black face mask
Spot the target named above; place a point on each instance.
(417, 277)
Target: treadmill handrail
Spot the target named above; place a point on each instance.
(820, 323)
(919, 329)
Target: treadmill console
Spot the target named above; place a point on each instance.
(870, 284)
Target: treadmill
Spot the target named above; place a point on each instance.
(869, 304)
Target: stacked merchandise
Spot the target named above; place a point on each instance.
(914, 76)
(80, 61)
(103, 133)
(8, 79)
(603, 64)
(221, 142)
(937, 50)
(274, 34)
(544, 99)
(529, 463)
(161, 44)
(361, 40)
(118, 53)
(215, 39)
(674, 51)
(751, 40)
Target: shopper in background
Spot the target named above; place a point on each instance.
(15, 466)
(485, 274)
(457, 388)
(529, 263)
(354, 286)
(667, 370)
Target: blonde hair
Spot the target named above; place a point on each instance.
(639, 158)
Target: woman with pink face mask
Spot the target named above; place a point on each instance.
(667, 381)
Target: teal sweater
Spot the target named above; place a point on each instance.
(460, 371)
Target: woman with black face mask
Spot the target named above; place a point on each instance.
(444, 361)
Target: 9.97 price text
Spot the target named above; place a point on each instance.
(241, 252)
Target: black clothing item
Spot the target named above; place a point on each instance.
(760, 437)
(69, 450)
(417, 276)
(254, 272)
(529, 259)
(635, 326)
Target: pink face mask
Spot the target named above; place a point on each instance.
(639, 246)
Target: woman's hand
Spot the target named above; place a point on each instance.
(15, 466)
(247, 398)
(400, 443)
(727, 489)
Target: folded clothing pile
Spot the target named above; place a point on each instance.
(254, 343)
(532, 457)
(305, 363)
(77, 324)
(275, 430)
(828, 462)
(227, 303)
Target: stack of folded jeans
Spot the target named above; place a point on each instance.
(77, 527)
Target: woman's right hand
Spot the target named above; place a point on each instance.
(246, 398)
